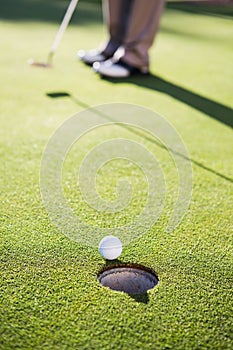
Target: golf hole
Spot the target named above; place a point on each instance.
(128, 278)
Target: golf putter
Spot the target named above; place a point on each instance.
(62, 28)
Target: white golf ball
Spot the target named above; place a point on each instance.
(110, 247)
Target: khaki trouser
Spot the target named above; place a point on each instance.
(132, 27)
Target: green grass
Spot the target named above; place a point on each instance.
(49, 294)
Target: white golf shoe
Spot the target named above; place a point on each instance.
(120, 69)
(89, 57)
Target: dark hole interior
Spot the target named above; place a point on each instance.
(129, 279)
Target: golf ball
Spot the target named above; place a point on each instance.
(110, 247)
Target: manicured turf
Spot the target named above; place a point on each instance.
(49, 294)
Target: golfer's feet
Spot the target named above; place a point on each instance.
(120, 69)
(89, 57)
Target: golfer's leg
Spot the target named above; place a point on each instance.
(115, 13)
(143, 26)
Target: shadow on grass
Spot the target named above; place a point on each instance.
(62, 94)
(205, 105)
(198, 7)
(48, 11)
(44, 10)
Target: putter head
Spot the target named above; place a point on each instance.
(33, 63)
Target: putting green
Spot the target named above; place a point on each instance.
(50, 295)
